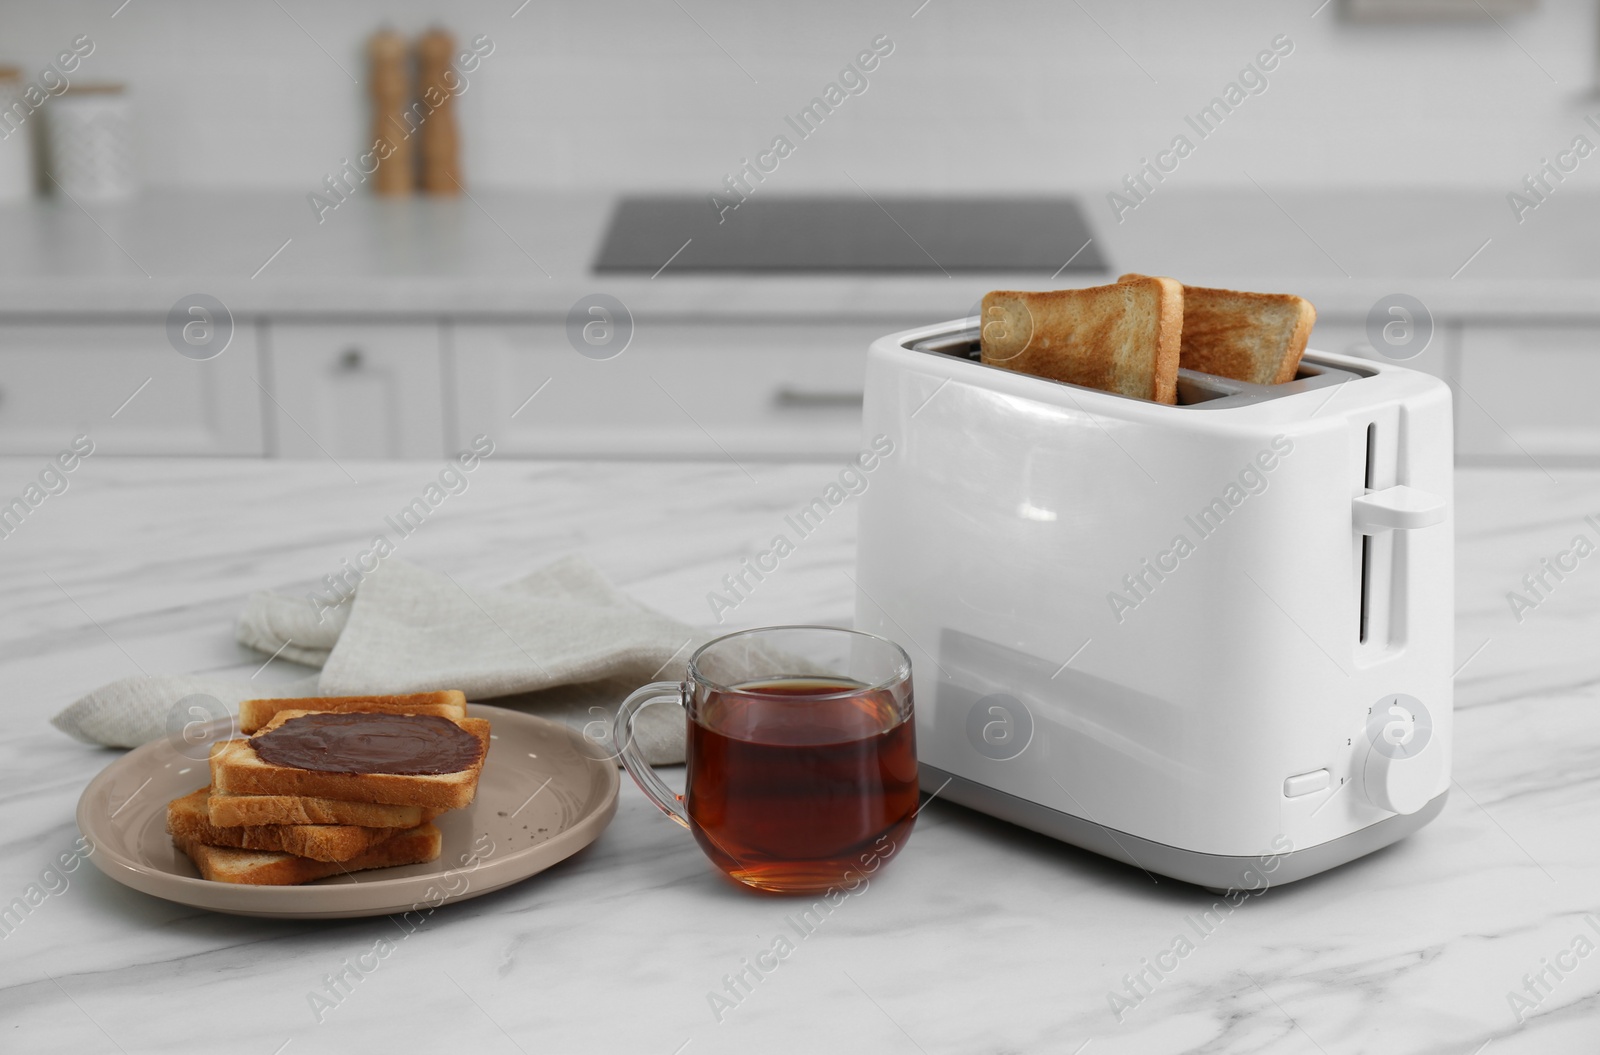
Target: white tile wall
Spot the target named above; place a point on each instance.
(1024, 96)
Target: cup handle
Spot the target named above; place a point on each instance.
(633, 759)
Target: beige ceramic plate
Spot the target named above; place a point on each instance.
(543, 796)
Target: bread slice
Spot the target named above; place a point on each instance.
(233, 811)
(1255, 337)
(188, 818)
(236, 769)
(223, 864)
(254, 714)
(1122, 338)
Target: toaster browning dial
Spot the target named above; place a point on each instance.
(1402, 766)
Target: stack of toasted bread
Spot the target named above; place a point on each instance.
(325, 786)
(1132, 337)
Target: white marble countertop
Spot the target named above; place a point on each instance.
(504, 253)
(979, 938)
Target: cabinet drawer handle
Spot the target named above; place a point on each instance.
(351, 359)
(788, 396)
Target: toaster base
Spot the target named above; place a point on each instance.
(1215, 872)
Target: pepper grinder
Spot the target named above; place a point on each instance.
(441, 139)
(389, 86)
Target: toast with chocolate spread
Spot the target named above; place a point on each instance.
(255, 714)
(395, 759)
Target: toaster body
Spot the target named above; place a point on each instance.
(1212, 640)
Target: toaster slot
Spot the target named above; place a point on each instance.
(1205, 391)
(1365, 573)
(1378, 554)
(1366, 583)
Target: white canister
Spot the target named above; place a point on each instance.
(89, 132)
(16, 138)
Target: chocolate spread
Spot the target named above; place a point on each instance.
(411, 744)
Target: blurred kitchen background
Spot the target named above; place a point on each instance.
(183, 273)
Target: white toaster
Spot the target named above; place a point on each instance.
(1212, 640)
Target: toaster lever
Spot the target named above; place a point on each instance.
(1397, 508)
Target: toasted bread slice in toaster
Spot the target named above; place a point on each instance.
(237, 768)
(253, 714)
(1122, 338)
(1255, 337)
(226, 864)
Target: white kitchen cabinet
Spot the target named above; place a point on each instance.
(1528, 392)
(125, 385)
(679, 390)
(355, 390)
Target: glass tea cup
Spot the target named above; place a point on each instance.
(801, 756)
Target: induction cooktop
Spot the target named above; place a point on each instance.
(683, 234)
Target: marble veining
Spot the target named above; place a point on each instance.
(979, 938)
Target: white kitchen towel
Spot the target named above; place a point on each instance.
(292, 628)
(135, 710)
(411, 630)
